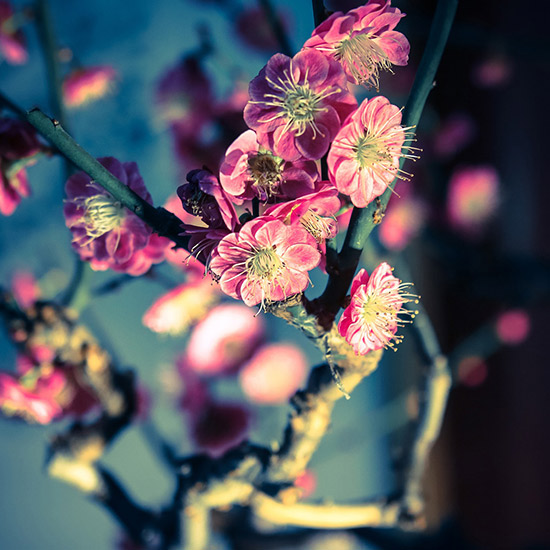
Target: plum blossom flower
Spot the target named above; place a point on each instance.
(375, 312)
(223, 340)
(177, 310)
(249, 171)
(266, 261)
(454, 134)
(472, 198)
(25, 289)
(87, 84)
(12, 40)
(364, 157)
(19, 147)
(298, 104)
(363, 40)
(105, 233)
(513, 326)
(273, 374)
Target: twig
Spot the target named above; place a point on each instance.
(277, 27)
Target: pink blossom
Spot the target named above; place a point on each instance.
(472, 198)
(249, 171)
(183, 306)
(19, 148)
(493, 71)
(87, 84)
(364, 157)
(454, 134)
(266, 261)
(513, 326)
(273, 374)
(105, 233)
(223, 340)
(371, 320)
(363, 40)
(298, 104)
(25, 289)
(307, 483)
(12, 40)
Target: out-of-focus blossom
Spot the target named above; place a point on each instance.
(84, 85)
(472, 198)
(307, 483)
(105, 233)
(266, 261)
(273, 374)
(376, 310)
(249, 171)
(492, 72)
(223, 340)
(12, 41)
(472, 371)
(298, 104)
(25, 289)
(364, 157)
(454, 134)
(19, 148)
(363, 40)
(403, 220)
(255, 30)
(513, 326)
(180, 308)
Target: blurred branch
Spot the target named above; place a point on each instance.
(277, 27)
(363, 220)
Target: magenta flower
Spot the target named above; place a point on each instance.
(249, 171)
(373, 316)
(183, 306)
(12, 40)
(472, 198)
(223, 340)
(25, 289)
(513, 326)
(298, 104)
(364, 157)
(19, 147)
(266, 261)
(273, 374)
(87, 84)
(363, 41)
(105, 233)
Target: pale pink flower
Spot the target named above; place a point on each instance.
(105, 233)
(376, 310)
(183, 306)
(298, 104)
(273, 374)
(266, 261)
(25, 289)
(472, 198)
(223, 340)
(19, 147)
(84, 85)
(363, 40)
(364, 157)
(513, 326)
(307, 483)
(12, 40)
(249, 171)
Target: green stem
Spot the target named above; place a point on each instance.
(363, 220)
(160, 220)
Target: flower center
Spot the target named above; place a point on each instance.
(265, 169)
(265, 264)
(103, 214)
(370, 150)
(319, 226)
(362, 57)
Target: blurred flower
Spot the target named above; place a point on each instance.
(255, 30)
(180, 308)
(19, 147)
(364, 157)
(266, 261)
(105, 233)
(363, 41)
(12, 40)
(472, 198)
(249, 171)
(454, 134)
(513, 326)
(493, 71)
(25, 289)
(298, 104)
(84, 85)
(376, 310)
(273, 374)
(307, 483)
(223, 340)
(472, 371)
